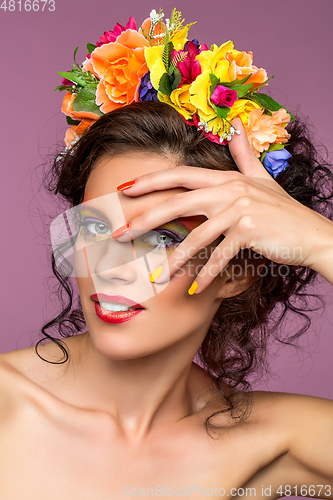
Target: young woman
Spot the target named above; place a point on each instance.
(126, 411)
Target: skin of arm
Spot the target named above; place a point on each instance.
(323, 259)
(306, 469)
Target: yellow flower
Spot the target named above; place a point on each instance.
(214, 61)
(217, 126)
(200, 96)
(153, 56)
(180, 39)
(180, 100)
(242, 108)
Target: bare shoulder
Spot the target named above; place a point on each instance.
(12, 384)
(296, 441)
(23, 372)
(291, 415)
(28, 383)
(289, 409)
(16, 368)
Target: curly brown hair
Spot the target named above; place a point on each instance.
(235, 345)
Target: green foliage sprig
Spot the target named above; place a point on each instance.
(84, 86)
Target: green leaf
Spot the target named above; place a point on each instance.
(70, 121)
(272, 147)
(291, 116)
(73, 77)
(239, 82)
(166, 56)
(85, 101)
(177, 79)
(91, 47)
(164, 84)
(237, 85)
(275, 147)
(267, 102)
(63, 87)
(175, 60)
(215, 81)
(75, 51)
(221, 111)
(241, 90)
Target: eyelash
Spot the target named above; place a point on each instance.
(168, 246)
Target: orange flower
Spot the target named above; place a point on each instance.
(159, 28)
(86, 119)
(75, 115)
(120, 65)
(75, 131)
(70, 137)
(263, 130)
(241, 64)
(87, 66)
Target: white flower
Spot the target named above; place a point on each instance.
(154, 17)
(168, 27)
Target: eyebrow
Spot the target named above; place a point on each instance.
(96, 211)
(178, 221)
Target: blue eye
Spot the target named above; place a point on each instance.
(157, 240)
(160, 239)
(94, 228)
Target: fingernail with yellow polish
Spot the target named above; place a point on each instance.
(154, 275)
(193, 288)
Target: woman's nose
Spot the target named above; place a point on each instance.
(116, 261)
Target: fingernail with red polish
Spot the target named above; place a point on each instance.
(120, 231)
(126, 185)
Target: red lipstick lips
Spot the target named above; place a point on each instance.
(115, 316)
(115, 299)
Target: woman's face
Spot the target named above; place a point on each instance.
(170, 314)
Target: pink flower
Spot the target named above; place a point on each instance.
(111, 36)
(189, 67)
(222, 96)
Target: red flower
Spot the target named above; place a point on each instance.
(210, 136)
(190, 67)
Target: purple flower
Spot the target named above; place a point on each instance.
(222, 96)
(276, 161)
(146, 90)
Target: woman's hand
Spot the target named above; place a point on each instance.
(249, 207)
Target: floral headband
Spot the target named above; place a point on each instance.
(208, 87)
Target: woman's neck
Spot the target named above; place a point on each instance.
(162, 388)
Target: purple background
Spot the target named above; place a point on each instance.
(291, 39)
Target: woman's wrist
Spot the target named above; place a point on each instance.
(323, 256)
